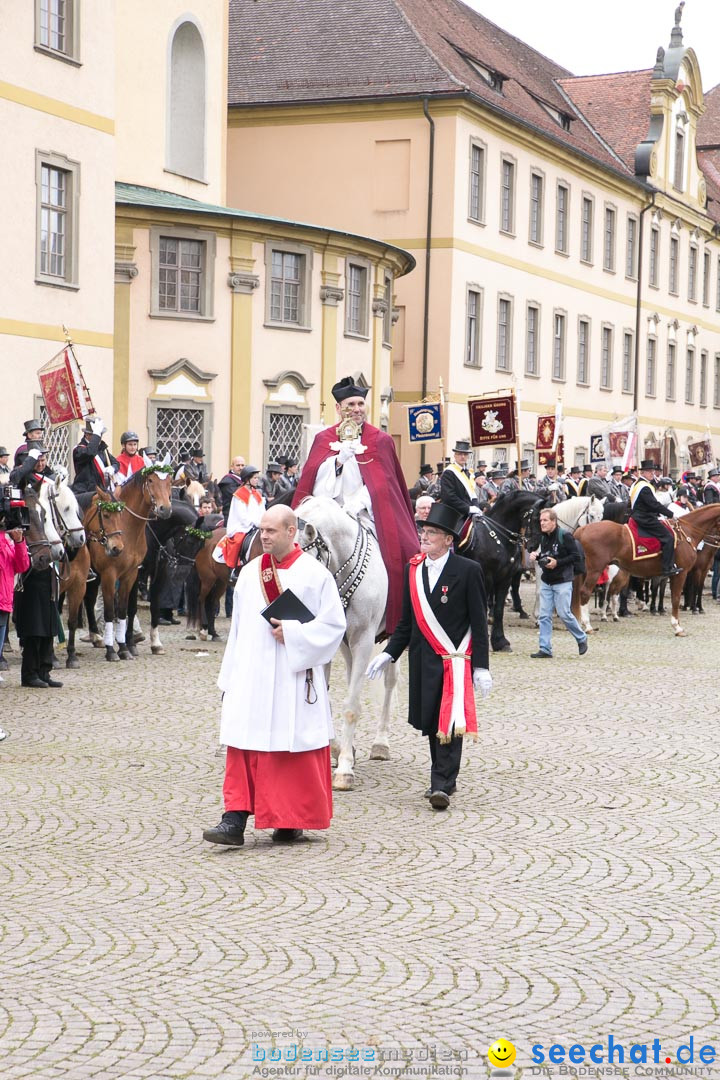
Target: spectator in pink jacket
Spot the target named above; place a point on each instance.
(14, 559)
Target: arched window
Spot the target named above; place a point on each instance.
(186, 103)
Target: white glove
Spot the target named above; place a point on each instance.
(35, 454)
(376, 666)
(109, 472)
(347, 450)
(482, 681)
(97, 427)
(61, 472)
(553, 487)
(474, 511)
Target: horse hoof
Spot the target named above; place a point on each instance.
(132, 649)
(157, 650)
(502, 648)
(343, 782)
(99, 644)
(112, 656)
(124, 654)
(72, 662)
(680, 633)
(379, 752)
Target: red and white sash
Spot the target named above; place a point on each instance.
(457, 707)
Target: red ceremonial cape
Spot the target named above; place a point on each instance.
(392, 509)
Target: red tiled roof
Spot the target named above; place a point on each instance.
(709, 162)
(292, 51)
(617, 106)
(709, 125)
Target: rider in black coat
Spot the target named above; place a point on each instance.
(645, 509)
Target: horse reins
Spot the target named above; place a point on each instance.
(358, 561)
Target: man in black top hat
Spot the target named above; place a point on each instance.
(197, 460)
(272, 483)
(34, 432)
(618, 491)
(645, 509)
(457, 486)
(93, 463)
(425, 480)
(4, 467)
(549, 485)
(572, 481)
(711, 491)
(444, 622)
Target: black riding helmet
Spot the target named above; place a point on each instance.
(247, 472)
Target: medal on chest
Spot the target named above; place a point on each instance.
(443, 598)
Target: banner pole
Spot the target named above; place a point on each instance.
(518, 443)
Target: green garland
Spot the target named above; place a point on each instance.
(148, 469)
(199, 534)
(109, 507)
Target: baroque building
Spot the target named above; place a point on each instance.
(566, 228)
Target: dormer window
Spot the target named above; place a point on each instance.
(561, 118)
(494, 79)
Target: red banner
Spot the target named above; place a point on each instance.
(618, 441)
(545, 433)
(701, 453)
(63, 389)
(543, 456)
(492, 421)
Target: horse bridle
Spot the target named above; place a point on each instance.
(102, 536)
(153, 503)
(58, 519)
(357, 562)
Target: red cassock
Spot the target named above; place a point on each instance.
(392, 509)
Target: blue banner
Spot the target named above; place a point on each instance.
(425, 422)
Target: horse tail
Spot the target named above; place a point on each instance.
(192, 597)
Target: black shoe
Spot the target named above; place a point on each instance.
(451, 791)
(540, 655)
(582, 647)
(164, 622)
(287, 836)
(234, 575)
(4, 666)
(54, 683)
(230, 830)
(625, 614)
(439, 800)
(673, 571)
(36, 683)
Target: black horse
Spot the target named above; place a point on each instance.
(496, 543)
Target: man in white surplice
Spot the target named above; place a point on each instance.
(276, 718)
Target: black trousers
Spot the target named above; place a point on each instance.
(37, 655)
(666, 538)
(444, 763)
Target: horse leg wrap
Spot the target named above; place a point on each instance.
(109, 635)
(121, 631)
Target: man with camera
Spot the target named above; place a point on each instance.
(559, 558)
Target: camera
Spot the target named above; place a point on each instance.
(14, 514)
(543, 561)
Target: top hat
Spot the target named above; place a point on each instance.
(482, 465)
(425, 470)
(503, 467)
(4, 452)
(197, 451)
(462, 446)
(551, 463)
(282, 459)
(347, 388)
(274, 467)
(616, 469)
(575, 470)
(290, 462)
(713, 472)
(445, 518)
(33, 425)
(585, 468)
(646, 464)
(524, 465)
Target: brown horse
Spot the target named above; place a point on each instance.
(605, 542)
(38, 545)
(103, 527)
(207, 586)
(144, 496)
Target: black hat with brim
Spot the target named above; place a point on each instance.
(348, 388)
(648, 464)
(425, 470)
(33, 425)
(462, 446)
(444, 517)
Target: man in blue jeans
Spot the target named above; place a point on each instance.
(557, 557)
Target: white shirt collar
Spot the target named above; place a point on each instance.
(436, 567)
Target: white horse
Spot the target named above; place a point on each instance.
(352, 554)
(63, 517)
(571, 514)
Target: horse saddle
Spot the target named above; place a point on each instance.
(245, 546)
(465, 533)
(644, 545)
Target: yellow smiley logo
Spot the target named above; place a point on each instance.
(501, 1053)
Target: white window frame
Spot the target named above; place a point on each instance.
(583, 351)
(532, 359)
(562, 218)
(207, 273)
(651, 367)
(631, 247)
(671, 372)
(507, 223)
(71, 53)
(692, 273)
(690, 375)
(364, 266)
(473, 332)
(628, 362)
(607, 348)
(609, 251)
(477, 216)
(654, 261)
(305, 299)
(716, 382)
(674, 266)
(587, 224)
(536, 218)
(504, 336)
(387, 320)
(679, 160)
(71, 169)
(559, 351)
(707, 270)
(702, 392)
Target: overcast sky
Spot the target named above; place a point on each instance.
(617, 35)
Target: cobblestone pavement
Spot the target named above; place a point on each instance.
(567, 895)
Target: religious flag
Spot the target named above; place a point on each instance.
(701, 453)
(66, 396)
(492, 420)
(425, 422)
(545, 437)
(620, 440)
(597, 450)
(558, 455)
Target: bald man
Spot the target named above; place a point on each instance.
(276, 718)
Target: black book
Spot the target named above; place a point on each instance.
(287, 606)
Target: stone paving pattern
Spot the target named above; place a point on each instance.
(568, 893)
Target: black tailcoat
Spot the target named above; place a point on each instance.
(466, 606)
(454, 493)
